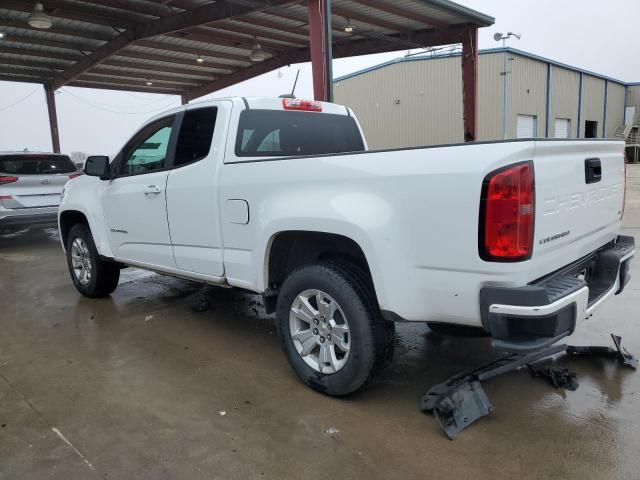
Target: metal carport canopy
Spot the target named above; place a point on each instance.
(194, 47)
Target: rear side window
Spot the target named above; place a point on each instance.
(273, 133)
(196, 133)
(36, 164)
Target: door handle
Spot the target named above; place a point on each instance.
(592, 170)
(151, 190)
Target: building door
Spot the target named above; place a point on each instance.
(590, 129)
(526, 126)
(562, 128)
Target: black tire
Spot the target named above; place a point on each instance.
(105, 275)
(371, 336)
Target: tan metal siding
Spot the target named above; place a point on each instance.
(592, 102)
(527, 92)
(615, 107)
(633, 98)
(430, 100)
(489, 97)
(564, 98)
(407, 104)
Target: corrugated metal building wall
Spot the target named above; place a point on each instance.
(633, 97)
(418, 101)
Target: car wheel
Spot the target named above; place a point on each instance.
(331, 329)
(91, 276)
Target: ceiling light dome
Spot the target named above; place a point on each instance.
(39, 19)
(257, 54)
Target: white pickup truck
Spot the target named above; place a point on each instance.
(517, 239)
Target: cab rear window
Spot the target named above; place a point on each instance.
(36, 164)
(274, 133)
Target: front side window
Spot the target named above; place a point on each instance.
(147, 151)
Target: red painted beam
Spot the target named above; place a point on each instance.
(320, 49)
(53, 117)
(470, 82)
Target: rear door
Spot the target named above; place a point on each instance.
(579, 188)
(192, 194)
(134, 200)
(34, 180)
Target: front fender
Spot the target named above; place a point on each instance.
(84, 195)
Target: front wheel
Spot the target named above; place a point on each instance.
(331, 328)
(91, 276)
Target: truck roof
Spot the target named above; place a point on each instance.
(258, 103)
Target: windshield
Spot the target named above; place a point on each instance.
(274, 133)
(36, 164)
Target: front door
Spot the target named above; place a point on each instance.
(134, 200)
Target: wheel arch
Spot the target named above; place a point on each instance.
(288, 250)
(67, 220)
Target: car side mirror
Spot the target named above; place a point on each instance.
(98, 166)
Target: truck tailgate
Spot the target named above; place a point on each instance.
(579, 188)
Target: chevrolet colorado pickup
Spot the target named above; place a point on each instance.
(518, 239)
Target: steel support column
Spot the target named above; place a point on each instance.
(470, 82)
(53, 117)
(320, 47)
(184, 99)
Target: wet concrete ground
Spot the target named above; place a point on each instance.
(140, 386)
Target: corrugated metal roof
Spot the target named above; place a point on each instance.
(117, 43)
(488, 51)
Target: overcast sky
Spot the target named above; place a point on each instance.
(591, 34)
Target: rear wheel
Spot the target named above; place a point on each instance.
(91, 276)
(331, 328)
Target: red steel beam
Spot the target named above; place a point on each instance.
(320, 49)
(470, 82)
(53, 117)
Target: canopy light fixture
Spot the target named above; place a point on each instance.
(200, 59)
(257, 54)
(348, 27)
(1, 35)
(39, 19)
(149, 83)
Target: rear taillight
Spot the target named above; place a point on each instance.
(7, 179)
(507, 214)
(304, 105)
(74, 175)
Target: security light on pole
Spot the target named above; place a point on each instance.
(505, 81)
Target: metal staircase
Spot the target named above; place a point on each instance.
(631, 134)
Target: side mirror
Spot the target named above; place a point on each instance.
(97, 166)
